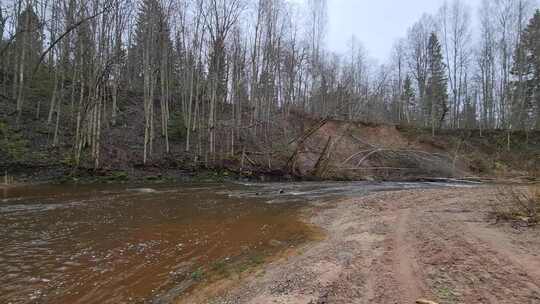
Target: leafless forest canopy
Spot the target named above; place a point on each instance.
(213, 70)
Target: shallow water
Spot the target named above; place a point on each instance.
(133, 244)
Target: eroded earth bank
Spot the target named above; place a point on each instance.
(396, 247)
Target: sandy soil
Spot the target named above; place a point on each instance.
(397, 247)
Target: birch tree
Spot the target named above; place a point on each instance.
(456, 35)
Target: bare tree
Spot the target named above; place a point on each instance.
(219, 17)
(456, 38)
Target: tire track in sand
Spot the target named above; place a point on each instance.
(405, 267)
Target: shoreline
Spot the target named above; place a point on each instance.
(35, 175)
(210, 290)
(151, 175)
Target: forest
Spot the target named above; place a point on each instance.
(89, 82)
(225, 151)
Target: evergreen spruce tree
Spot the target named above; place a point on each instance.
(28, 47)
(29, 40)
(149, 63)
(469, 113)
(407, 97)
(151, 33)
(526, 72)
(436, 92)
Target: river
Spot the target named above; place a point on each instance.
(147, 243)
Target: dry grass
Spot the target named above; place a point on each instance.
(519, 205)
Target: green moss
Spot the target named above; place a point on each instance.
(67, 179)
(198, 275)
(220, 267)
(249, 262)
(256, 259)
(447, 294)
(115, 177)
(213, 176)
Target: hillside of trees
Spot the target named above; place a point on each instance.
(106, 83)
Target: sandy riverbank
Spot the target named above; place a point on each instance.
(397, 247)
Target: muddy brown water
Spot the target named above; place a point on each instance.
(132, 244)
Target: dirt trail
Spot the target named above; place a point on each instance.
(397, 247)
(405, 266)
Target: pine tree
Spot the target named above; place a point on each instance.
(436, 92)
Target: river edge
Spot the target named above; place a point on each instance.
(208, 290)
(397, 247)
(38, 175)
(32, 175)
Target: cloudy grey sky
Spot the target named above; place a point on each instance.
(377, 23)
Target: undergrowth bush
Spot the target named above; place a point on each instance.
(12, 143)
(518, 204)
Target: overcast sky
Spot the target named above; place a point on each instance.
(377, 23)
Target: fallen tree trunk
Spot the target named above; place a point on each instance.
(321, 165)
